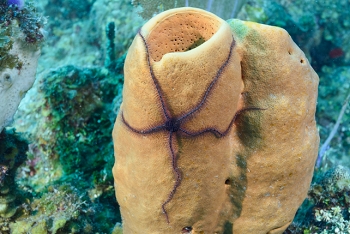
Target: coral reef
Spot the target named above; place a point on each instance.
(20, 37)
(70, 9)
(76, 35)
(74, 148)
(77, 113)
(12, 154)
(16, 18)
(186, 136)
(72, 144)
(321, 21)
(327, 208)
(18, 23)
(59, 209)
(125, 19)
(18, 3)
(315, 26)
(333, 90)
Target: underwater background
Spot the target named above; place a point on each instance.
(57, 155)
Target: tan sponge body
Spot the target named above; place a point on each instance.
(254, 178)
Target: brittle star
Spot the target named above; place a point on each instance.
(173, 124)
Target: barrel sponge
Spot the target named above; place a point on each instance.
(250, 179)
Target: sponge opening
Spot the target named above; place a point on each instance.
(181, 32)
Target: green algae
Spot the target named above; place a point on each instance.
(326, 210)
(58, 209)
(240, 29)
(73, 139)
(12, 155)
(75, 97)
(6, 60)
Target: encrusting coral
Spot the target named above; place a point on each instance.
(20, 37)
(326, 210)
(61, 209)
(216, 132)
(12, 154)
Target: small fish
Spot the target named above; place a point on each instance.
(336, 53)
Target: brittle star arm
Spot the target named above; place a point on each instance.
(142, 131)
(155, 81)
(216, 132)
(211, 85)
(176, 172)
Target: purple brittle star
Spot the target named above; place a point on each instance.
(173, 124)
